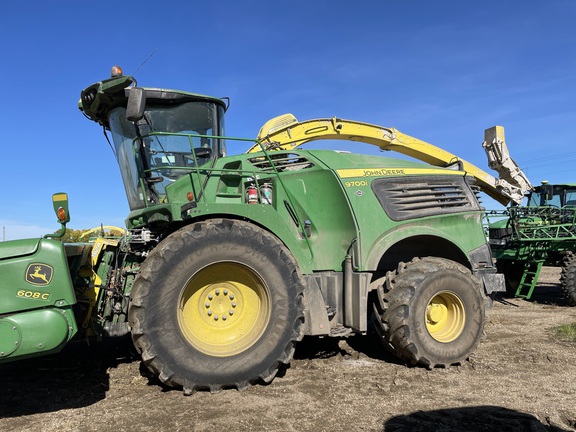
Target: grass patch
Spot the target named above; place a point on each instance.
(566, 332)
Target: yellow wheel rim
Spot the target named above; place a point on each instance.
(445, 316)
(224, 309)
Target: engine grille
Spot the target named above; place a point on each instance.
(413, 197)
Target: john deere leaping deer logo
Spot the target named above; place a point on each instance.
(39, 274)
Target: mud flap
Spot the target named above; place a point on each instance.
(493, 282)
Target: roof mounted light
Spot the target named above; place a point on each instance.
(116, 72)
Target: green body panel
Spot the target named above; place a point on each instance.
(294, 201)
(36, 317)
(377, 233)
(37, 279)
(16, 248)
(341, 213)
(461, 232)
(36, 332)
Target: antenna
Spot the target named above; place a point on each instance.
(142, 64)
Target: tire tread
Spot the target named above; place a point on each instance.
(151, 271)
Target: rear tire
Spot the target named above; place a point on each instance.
(431, 311)
(568, 279)
(218, 304)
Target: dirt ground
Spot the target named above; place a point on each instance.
(520, 379)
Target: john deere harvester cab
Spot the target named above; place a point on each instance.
(541, 232)
(158, 135)
(165, 143)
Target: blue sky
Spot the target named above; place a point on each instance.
(442, 71)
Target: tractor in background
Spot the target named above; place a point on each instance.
(540, 233)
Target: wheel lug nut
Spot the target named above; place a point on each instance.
(224, 317)
(231, 296)
(231, 312)
(210, 296)
(217, 292)
(225, 292)
(215, 317)
(233, 304)
(209, 312)
(207, 304)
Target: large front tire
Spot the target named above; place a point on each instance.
(218, 304)
(431, 311)
(568, 279)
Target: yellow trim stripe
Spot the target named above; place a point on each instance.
(392, 172)
(60, 197)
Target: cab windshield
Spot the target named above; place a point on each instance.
(168, 143)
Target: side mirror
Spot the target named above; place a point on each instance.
(136, 104)
(203, 152)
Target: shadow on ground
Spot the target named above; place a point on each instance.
(315, 347)
(74, 378)
(544, 293)
(473, 419)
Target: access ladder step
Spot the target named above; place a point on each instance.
(529, 279)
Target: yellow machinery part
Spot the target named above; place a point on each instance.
(286, 133)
